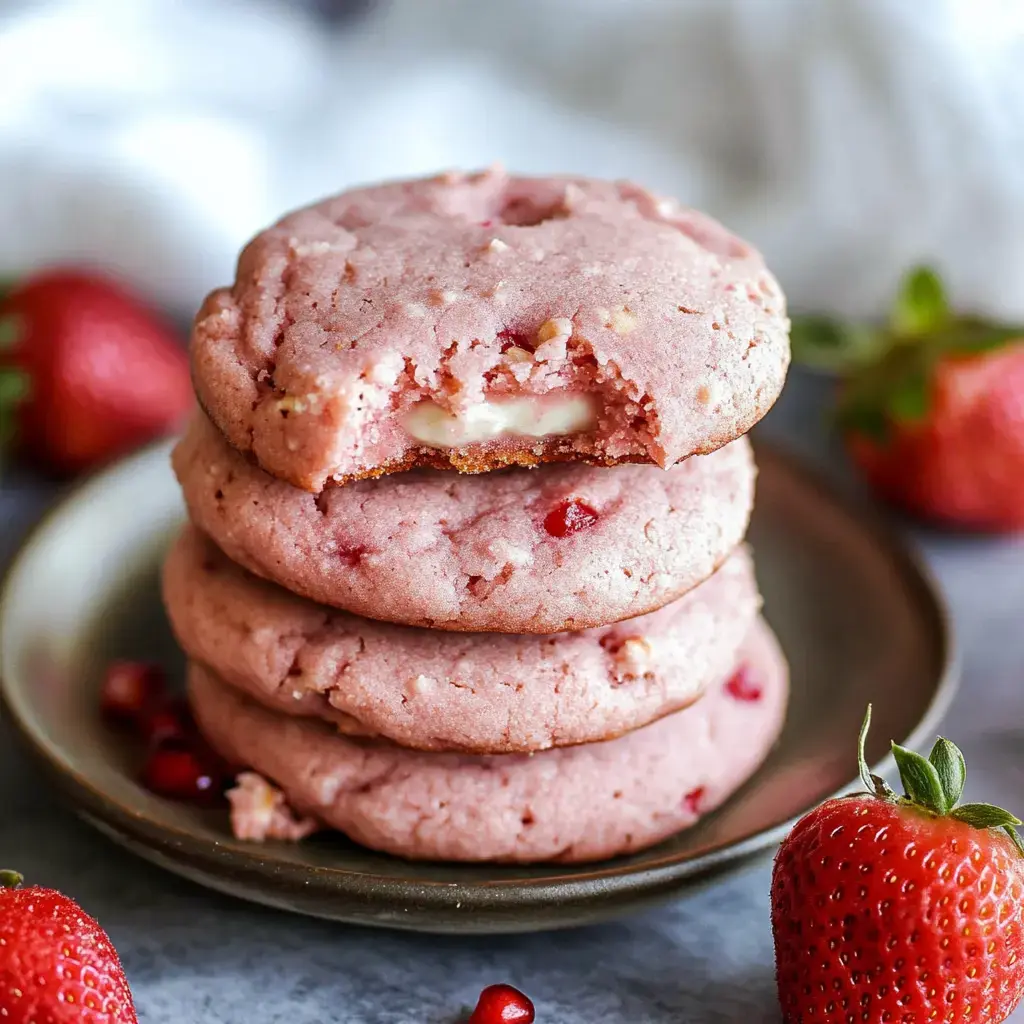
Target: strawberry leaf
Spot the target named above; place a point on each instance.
(920, 780)
(971, 336)
(921, 305)
(1014, 838)
(949, 763)
(908, 400)
(861, 417)
(14, 387)
(829, 344)
(10, 331)
(985, 816)
(894, 389)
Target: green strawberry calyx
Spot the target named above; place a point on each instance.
(934, 784)
(888, 367)
(14, 383)
(10, 879)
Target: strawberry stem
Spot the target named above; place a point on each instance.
(10, 879)
(872, 783)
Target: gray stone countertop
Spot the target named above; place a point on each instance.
(705, 957)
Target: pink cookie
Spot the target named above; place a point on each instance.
(448, 551)
(477, 321)
(481, 693)
(571, 804)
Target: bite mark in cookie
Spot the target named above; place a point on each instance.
(478, 321)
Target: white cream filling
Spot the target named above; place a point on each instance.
(528, 416)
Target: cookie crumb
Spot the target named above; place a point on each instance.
(259, 812)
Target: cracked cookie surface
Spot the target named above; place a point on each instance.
(483, 320)
(570, 804)
(467, 692)
(564, 547)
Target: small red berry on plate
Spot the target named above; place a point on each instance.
(742, 685)
(164, 721)
(182, 772)
(57, 965)
(130, 688)
(902, 909)
(502, 1004)
(569, 517)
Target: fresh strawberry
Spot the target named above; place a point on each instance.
(87, 371)
(57, 965)
(932, 407)
(903, 909)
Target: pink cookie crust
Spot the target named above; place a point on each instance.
(469, 692)
(454, 552)
(571, 804)
(346, 314)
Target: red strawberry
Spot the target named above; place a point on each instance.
(933, 408)
(903, 909)
(962, 463)
(87, 371)
(57, 965)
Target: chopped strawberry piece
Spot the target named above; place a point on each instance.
(569, 517)
(742, 685)
(693, 799)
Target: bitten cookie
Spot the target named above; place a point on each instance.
(471, 692)
(478, 321)
(571, 804)
(567, 546)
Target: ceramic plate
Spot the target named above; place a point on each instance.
(857, 617)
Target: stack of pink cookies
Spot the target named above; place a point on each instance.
(465, 576)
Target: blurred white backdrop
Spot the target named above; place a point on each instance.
(847, 138)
